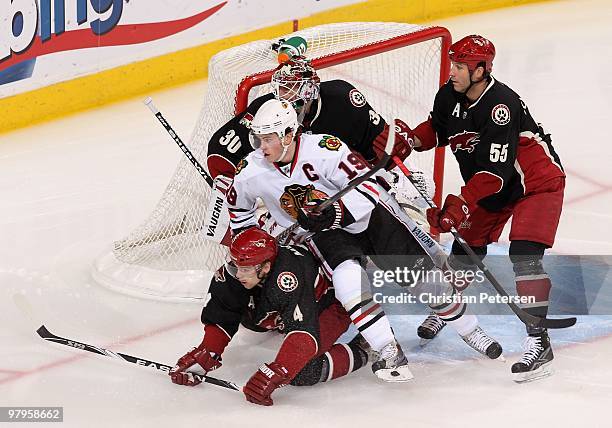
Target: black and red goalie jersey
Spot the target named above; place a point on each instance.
(502, 152)
(341, 110)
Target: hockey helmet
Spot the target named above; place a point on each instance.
(474, 51)
(296, 81)
(252, 247)
(273, 116)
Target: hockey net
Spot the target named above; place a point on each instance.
(398, 67)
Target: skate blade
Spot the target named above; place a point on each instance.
(424, 342)
(543, 371)
(399, 374)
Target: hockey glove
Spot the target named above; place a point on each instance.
(404, 141)
(208, 360)
(264, 382)
(329, 218)
(453, 213)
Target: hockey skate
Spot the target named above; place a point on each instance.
(392, 365)
(481, 342)
(536, 361)
(430, 328)
(363, 344)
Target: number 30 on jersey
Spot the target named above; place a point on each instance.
(231, 141)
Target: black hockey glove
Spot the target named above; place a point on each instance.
(329, 218)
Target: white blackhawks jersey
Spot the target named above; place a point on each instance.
(322, 165)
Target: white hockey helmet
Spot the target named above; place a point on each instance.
(274, 116)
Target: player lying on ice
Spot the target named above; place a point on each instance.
(510, 169)
(292, 173)
(271, 287)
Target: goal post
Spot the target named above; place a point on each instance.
(398, 67)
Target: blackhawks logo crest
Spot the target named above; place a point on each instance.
(246, 120)
(296, 195)
(330, 143)
(241, 165)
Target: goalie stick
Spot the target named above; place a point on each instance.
(525, 317)
(213, 232)
(45, 334)
(149, 103)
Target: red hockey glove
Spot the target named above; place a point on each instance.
(208, 360)
(404, 140)
(453, 213)
(214, 338)
(329, 218)
(263, 383)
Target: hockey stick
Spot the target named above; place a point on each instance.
(525, 317)
(149, 103)
(45, 334)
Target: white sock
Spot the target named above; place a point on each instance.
(352, 288)
(464, 325)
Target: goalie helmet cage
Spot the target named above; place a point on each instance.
(398, 67)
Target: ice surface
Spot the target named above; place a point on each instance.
(72, 186)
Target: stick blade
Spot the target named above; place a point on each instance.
(557, 323)
(25, 307)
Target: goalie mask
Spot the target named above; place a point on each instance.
(296, 81)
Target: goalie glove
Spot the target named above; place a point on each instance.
(330, 218)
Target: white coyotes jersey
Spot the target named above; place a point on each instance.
(322, 165)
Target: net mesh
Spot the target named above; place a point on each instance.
(398, 83)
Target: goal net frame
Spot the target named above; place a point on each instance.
(190, 283)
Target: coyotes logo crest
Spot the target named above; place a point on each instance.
(272, 321)
(295, 195)
(465, 140)
(330, 143)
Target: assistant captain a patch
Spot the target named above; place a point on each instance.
(501, 114)
(287, 281)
